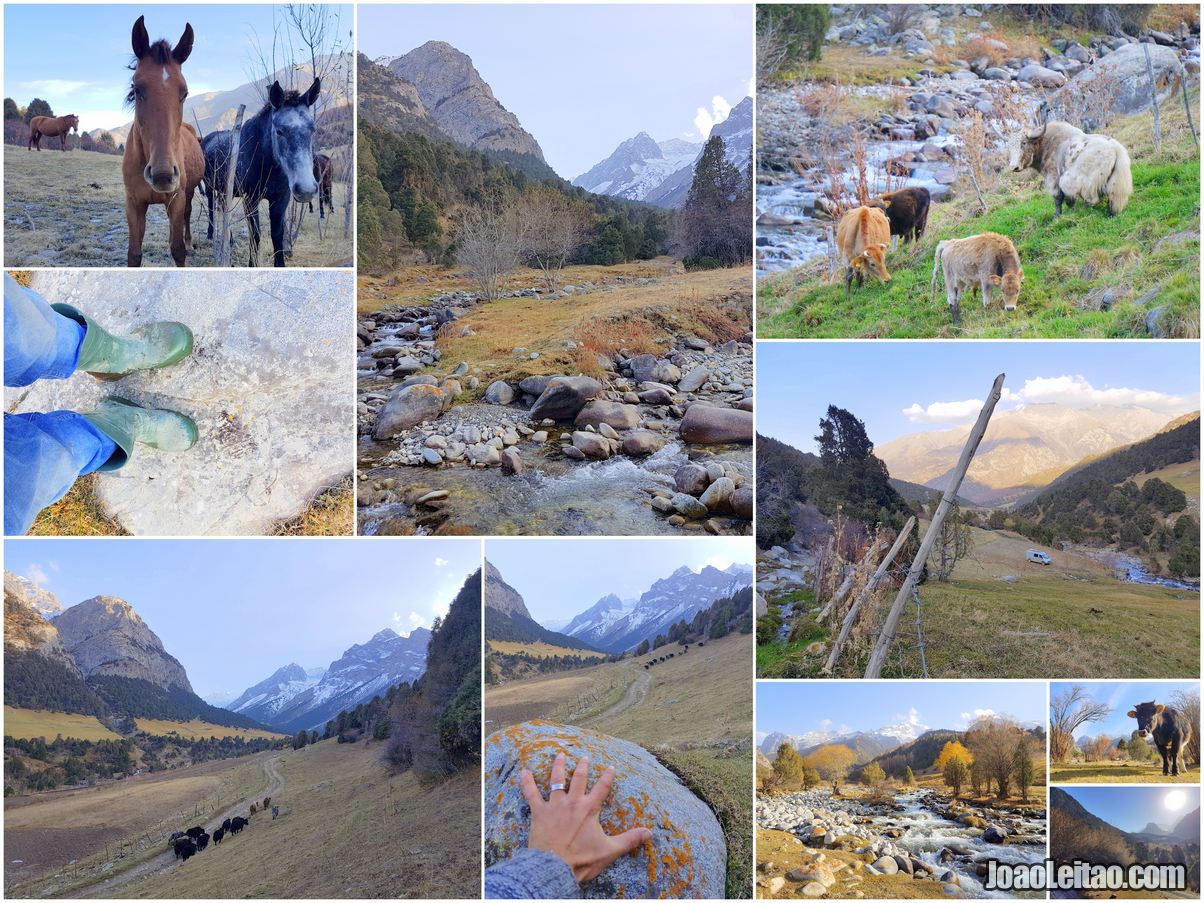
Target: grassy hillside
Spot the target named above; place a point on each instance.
(25, 724)
(196, 728)
(1073, 618)
(1149, 253)
(69, 210)
(538, 650)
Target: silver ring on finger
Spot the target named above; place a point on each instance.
(556, 787)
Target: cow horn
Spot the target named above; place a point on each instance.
(1035, 133)
(882, 245)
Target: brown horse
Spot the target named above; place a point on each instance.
(324, 176)
(51, 127)
(163, 163)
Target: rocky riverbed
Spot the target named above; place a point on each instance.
(915, 140)
(653, 443)
(919, 834)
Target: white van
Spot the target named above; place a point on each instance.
(1037, 557)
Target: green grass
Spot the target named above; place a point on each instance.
(1118, 773)
(789, 658)
(1053, 252)
(724, 782)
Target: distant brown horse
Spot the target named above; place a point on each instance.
(51, 127)
(163, 163)
(324, 176)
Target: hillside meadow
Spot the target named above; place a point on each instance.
(26, 724)
(1149, 772)
(1087, 275)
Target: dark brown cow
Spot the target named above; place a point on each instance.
(907, 210)
(1170, 730)
(324, 176)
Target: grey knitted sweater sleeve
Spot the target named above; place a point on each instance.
(531, 875)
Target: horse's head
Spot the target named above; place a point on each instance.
(292, 134)
(73, 123)
(157, 92)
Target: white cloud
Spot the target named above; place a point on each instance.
(416, 620)
(944, 411)
(37, 574)
(705, 120)
(1076, 391)
(826, 723)
(55, 86)
(751, 89)
(968, 717)
(441, 562)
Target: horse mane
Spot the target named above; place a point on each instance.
(159, 52)
(291, 98)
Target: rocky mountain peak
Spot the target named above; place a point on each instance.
(31, 595)
(106, 637)
(25, 629)
(461, 102)
(501, 596)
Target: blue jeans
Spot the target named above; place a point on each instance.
(44, 454)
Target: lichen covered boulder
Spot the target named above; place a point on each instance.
(687, 856)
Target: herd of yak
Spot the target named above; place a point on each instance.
(1074, 165)
(653, 662)
(186, 844)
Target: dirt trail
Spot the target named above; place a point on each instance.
(162, 862)
(637, 692)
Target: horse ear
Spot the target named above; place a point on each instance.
(1132, 714)
(1160, 708)
(995, 279)
(139, 39)
(275, 95)
(184, 45)
(312, 94)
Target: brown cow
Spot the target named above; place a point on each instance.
(267, 801)
(980, 261)
(253, 809)
(1170, 731)
(51, 127)
(862, 237)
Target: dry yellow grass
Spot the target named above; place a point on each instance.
(197, 729)
(540, 650)
(78, 513)
(68, 209)
(25, 724)
(332, 513)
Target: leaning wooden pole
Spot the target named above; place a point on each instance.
(221, 253)
(887, 636)
(865, 593)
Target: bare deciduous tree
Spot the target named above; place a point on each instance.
(554, 228)
(490, 245)
(1068, 711)
(1187, 704)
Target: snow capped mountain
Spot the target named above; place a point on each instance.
(294, 699)
(660, 173)
(615, 626)
(866, 744)
(638, 166)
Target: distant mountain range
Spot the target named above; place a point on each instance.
(660, 172)
(293, 698)
(867, 744)
(614, 625)
(1023, 450)
(95, 658)
(216, 110)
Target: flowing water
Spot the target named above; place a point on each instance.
(555, 496)
(1130, 569)
(928, 834)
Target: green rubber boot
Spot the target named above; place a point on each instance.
(111, 357)
(126, 424)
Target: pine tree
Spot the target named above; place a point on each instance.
(37, 107)
(909, 777)
(1022, 767)
(717, 212)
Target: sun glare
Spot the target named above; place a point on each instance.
(1174, 800)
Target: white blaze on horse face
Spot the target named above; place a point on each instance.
(166, 74)
(292, 145)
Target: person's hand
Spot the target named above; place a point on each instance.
(567, 823)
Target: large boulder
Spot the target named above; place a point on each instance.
(563, 397)
(614, 414)
(407, 407)
(267, 384)
(687, 856)
(650, 368)
(707, 425)
(1040, 76)
(1124, 72)
(499, 392)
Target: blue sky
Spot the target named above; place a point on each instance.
(583, 79)
(1121, 696)
(561, 578)
(86, 74)
(851, 706)
(907, 387)
(233, 611)
(1132, 808)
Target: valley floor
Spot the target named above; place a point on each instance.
(1118, 773)
(347, 828)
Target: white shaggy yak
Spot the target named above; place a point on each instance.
(1076, 166)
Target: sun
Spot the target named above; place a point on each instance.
(1174, 800)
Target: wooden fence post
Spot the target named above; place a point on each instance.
(878, 658)
(222, 251)
(866, 590)
(1149, 68)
